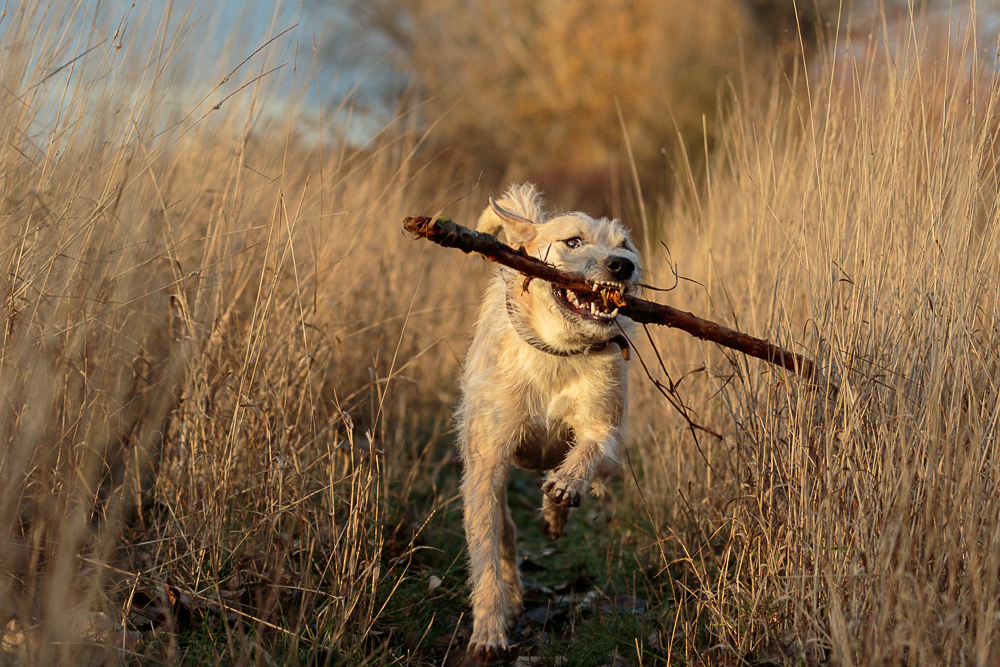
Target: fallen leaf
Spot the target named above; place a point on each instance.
(232, 594)
(528, 565)
(617, 660)
(528, 660)
(125, 640)
(623, 603)
(13, 633)
(585, 599)
(535, 587)
(542, 615)
(93, 625)
(577, 584)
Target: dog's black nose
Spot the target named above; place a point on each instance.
(620, 267)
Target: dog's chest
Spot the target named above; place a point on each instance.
(543, 446)
(555, 396)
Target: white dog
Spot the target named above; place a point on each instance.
(544, 388)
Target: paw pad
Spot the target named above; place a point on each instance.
(563, 493)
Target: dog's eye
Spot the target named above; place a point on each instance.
(574, 242)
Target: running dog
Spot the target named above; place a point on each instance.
(544, 387)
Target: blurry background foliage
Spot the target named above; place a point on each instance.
(527, 90)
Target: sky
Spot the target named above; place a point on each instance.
(307, 22)
(213, 37)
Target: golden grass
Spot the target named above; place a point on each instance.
(191, 314)
(225, 373)
(857, 220)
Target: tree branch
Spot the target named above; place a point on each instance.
(446, 233)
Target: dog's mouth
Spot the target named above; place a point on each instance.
(600, 307)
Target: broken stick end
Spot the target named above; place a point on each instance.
(419, 225)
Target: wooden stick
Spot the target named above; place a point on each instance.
(446, 233)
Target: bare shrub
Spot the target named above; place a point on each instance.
(535, 86)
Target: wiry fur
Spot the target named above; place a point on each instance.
(537, 410)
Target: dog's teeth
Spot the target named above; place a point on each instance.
(614, 313)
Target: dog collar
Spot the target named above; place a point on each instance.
(534, 342)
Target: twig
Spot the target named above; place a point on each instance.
(446, 233)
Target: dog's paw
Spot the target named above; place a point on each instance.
(553, 519)
(553, 528)
(498, 653)
(563, 491)
(488, 643)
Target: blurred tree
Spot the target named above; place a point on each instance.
(531, 88)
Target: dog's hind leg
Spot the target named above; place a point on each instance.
(553, 518)
(508, 566)
(489, 530)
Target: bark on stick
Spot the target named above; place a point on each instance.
(446, 233)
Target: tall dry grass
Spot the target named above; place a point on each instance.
(203, 314)
(227, 377)
(855, 221)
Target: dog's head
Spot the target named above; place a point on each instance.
(599, 250)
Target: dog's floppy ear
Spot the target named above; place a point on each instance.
(517, 216)
(518, 229)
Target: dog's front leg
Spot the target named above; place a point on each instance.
(490, 532)
(597, 453)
